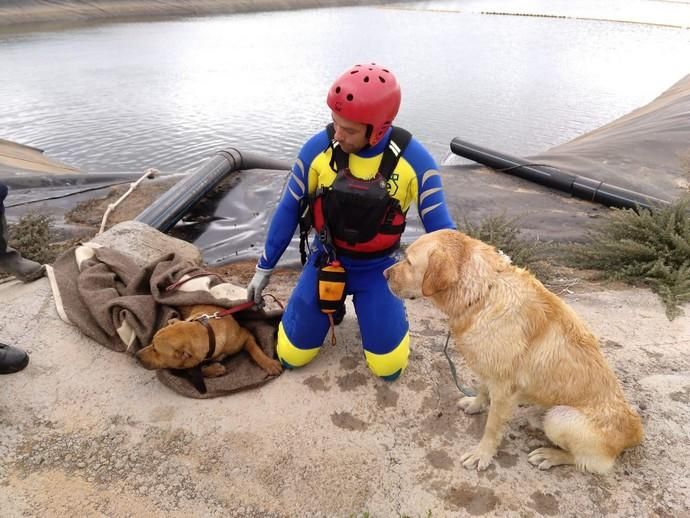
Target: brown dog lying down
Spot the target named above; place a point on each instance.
(183, 344)
(527, 346)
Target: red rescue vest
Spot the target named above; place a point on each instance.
(358, 218)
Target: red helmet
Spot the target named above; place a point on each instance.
(368, 94)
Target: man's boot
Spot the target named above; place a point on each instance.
(12, 262)
(12, 359)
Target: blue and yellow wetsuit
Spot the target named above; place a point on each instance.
(381, 315)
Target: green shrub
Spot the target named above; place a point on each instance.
(650, 247)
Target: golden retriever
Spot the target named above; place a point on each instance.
(183, 344)
(526, 346)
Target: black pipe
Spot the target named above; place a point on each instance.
(579, 186)
(176, 202)
(37, 180)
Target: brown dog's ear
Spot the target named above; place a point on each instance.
(441, 273)
(182, 354)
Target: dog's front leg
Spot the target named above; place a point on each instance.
(476, 404)
(213, 370)
(269, 365)
(500, 410)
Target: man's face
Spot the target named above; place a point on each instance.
(352, 136)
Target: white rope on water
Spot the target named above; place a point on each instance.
(150, 173)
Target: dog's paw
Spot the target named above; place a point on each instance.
(477, 459)
(471, 405)
(545, 458)
(272, 367)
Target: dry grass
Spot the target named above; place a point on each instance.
(35, 237)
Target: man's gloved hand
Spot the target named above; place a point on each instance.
(257, 285)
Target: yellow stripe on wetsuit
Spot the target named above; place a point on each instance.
(291, 355)
(384, 365)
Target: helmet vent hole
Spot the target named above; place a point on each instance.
(354, 72)
(337, 89)
(366, 79)
(350, 97)
(382, 79)
(386, 71)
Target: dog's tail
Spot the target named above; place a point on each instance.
(593, 442)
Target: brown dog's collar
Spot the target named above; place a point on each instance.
(211, 336)
(204, 319)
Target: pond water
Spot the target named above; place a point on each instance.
(167, 94)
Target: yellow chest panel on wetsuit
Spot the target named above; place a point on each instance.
(402, 184)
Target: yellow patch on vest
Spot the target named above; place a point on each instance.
(402, 184)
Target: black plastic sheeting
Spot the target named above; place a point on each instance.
(169, 208)
(646, 151)
(54, 193)
(554, 178)
(234, 226)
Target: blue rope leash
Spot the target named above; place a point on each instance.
(467, 391)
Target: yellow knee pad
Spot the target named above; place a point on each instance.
(390, 365)
(291, 356)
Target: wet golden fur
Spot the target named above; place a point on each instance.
(183, 344)
(526, 346)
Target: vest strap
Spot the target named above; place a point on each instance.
(397, 143)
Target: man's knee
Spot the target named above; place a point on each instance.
(389, 366)
(289, 354)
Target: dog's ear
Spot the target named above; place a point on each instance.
(182, 354)
(441, 273)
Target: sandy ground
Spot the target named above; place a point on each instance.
(87, 431)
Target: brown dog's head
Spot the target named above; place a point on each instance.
(443, 260)
(179, 345)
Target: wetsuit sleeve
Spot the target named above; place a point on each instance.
(286, 216)
(431, 203)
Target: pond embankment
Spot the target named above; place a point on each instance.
(19, 157)
(19, 12)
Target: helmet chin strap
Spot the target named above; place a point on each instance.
(370, 130)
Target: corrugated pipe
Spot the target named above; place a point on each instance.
(176, 202)
(578, 186)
